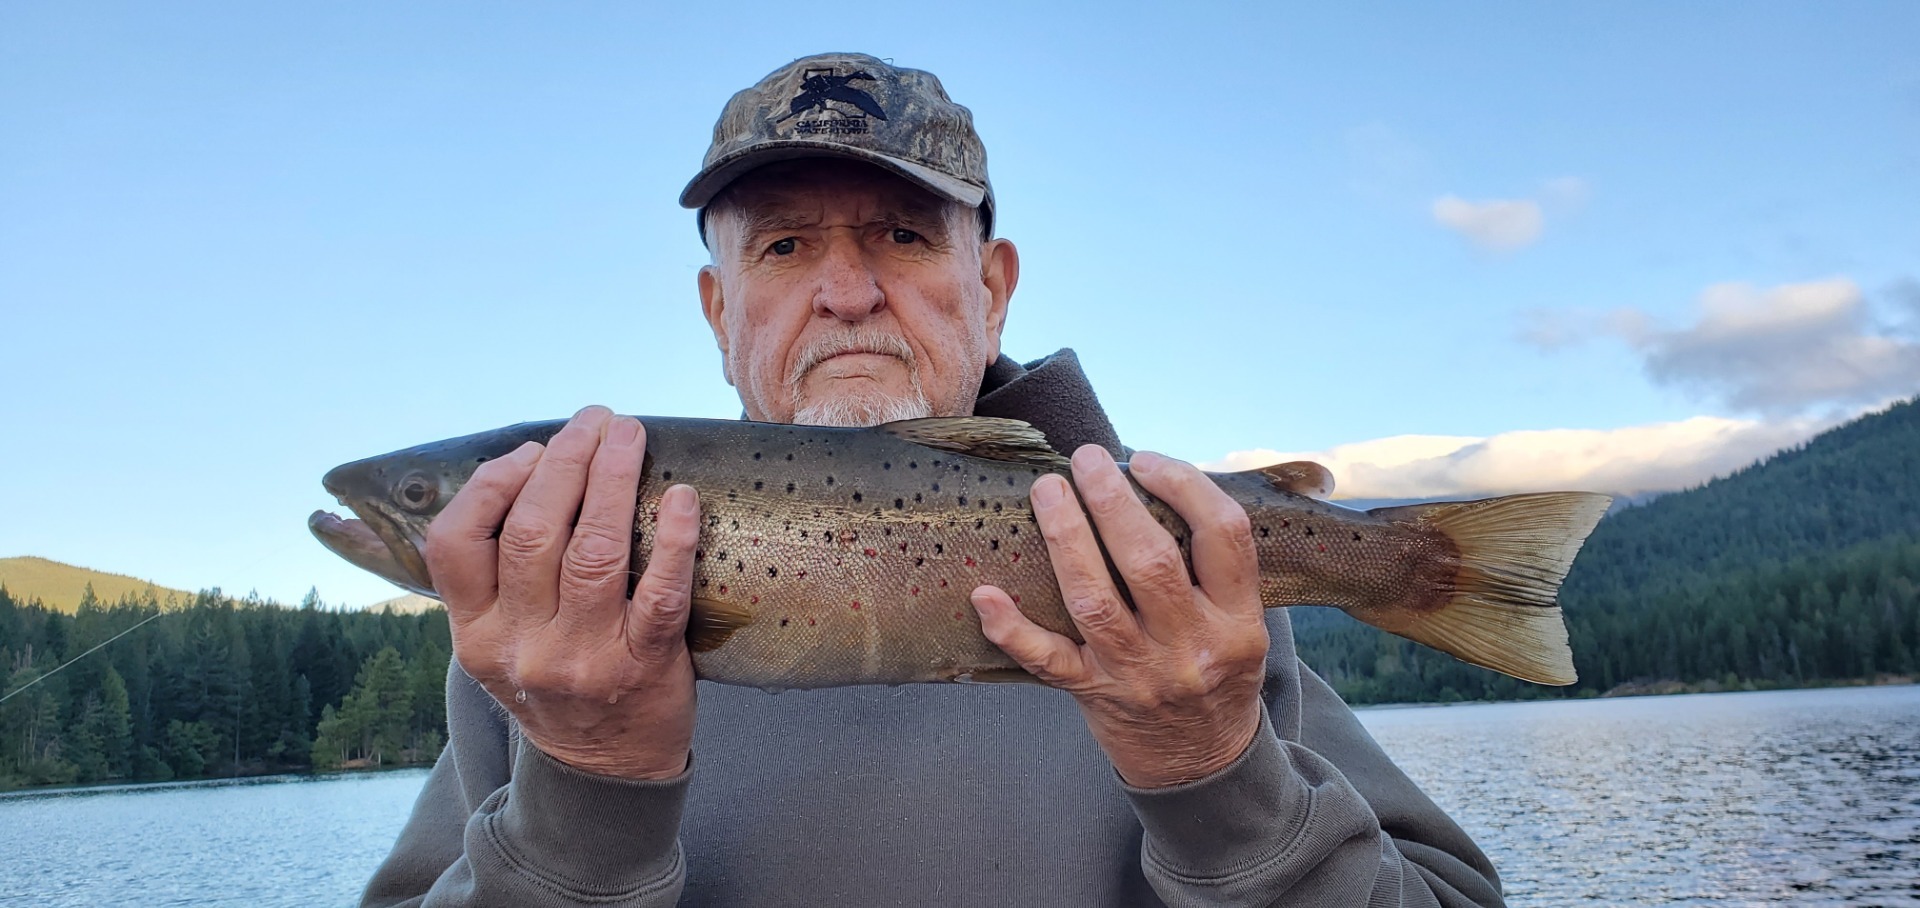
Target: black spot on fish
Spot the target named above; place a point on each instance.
(886, 465)
(1356, 537)
(983, 477)
(739, 567)
(790, 456)
(936, 487)
(736, 524)
(482, 459)
(668, 476)
(963, 501)
(939, 548)
(783, 622)
(916, 498)
(758, 485)
(913, 465)
(731, 494)
(723, 556)
(829, 480)
(1263, 532)
(983, 504)
(1309, 531)
(993, 544)
(772, 571)
(1009, 480)
(980, 524)
(1013, 531)
(917, 562)
(756, 455)
(789, 488)
(996, 507)
(699, 554)
(886, 531)
(899, 504)
(856, 498)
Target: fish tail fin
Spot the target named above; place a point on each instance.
(1502, 609)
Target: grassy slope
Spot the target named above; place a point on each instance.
(60, 586)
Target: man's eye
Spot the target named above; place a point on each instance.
(904, 236)
(782, 247)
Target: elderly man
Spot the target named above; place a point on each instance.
(1186, 757)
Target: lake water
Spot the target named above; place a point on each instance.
(1793, 797)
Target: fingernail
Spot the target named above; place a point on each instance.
(1091, 456)
(623, 430)
(590, 409)
(1047, 491)
(527, 451)
(682, 499)
(1145, 462)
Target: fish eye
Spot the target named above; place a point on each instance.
(416, 493)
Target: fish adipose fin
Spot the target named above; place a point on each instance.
(985, 437)
(1503, 611)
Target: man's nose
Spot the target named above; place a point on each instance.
(848, 289)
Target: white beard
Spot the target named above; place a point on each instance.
(862, 410)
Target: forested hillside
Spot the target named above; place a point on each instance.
(1801, 569)
(217, 687)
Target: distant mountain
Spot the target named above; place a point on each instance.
(1802, 568)
(410, 604)
(60, 586)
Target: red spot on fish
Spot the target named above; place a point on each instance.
(756, 540)
(856, 605)
(969, 561)
(915, 591)
(959, 616)
(756, 601)
(723, 589)
(803, 575)
(903, 547)
(1286, 523)
(811, 622)
(1016, 600)
(1323, 547)
(943, 584)
(871, 553)
(1016, 557)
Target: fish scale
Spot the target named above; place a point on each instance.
(833, 557)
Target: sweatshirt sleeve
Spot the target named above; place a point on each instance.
(1313, 813)
(501, 823)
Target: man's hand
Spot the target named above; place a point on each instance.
(1172, 690)
(538, 602)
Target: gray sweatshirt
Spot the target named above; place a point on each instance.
(935, 794)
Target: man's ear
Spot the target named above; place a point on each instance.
(713, 304)
(1000, 273)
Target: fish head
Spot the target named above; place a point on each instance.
(396, 497)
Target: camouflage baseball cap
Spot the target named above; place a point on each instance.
(850, 106)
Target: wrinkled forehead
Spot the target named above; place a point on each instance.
(795, 193)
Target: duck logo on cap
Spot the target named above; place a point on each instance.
(819, 89)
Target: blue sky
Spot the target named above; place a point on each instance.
(1448, 248)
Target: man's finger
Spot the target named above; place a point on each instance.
(534, 537)
(1046, 655)
(593, 574)
(657, 617)
(1086, 585)
(1144, 552)
(462, 556)
(1225, 565)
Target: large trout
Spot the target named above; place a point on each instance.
(846, 556)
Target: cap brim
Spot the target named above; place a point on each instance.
(714, 178)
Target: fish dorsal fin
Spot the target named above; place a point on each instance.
(1301, 477)
(986, 437)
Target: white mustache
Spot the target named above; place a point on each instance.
(826, 347)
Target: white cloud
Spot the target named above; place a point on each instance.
(1778, 350)
(1497, 224)
(1627, 461)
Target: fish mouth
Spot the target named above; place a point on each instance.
(376, 545)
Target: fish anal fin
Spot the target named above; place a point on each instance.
(998, 676)
(985, 437)
(1501, 608)
(1301, 477)
(712, 621)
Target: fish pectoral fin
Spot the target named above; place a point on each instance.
(711, 621)
(1301, 477)
(985, 437)
(998, 676)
